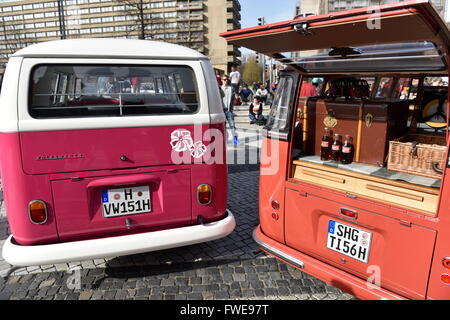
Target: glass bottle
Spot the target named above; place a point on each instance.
(348, 150)
(336, 148)
(325, 146)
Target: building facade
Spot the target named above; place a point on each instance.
(192, 23)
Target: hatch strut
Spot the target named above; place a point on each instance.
(302, 28)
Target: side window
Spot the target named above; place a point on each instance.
(279, 120)
(384, 88)
(402, 88)
(62, 91)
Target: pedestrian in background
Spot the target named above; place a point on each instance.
(218, 78)
(262, 93)
(235, 77)
(246, 94)
(255, 112)
(228, 104)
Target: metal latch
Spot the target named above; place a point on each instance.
(302, 28)
(405, 223)
(302, 194)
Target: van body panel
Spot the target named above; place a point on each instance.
(307, 226)
(19, 190)
(271, 187)
(9, 97)
(79, 211)
(97, 149)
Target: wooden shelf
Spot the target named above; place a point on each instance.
(407, 195)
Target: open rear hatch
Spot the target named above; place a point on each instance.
(390, 23)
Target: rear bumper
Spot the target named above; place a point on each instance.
(331, 275)
(75, 251)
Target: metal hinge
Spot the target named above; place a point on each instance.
(351, 196)
(302, 194)
(405, 223)
(302, 28)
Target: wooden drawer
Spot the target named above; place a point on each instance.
(397, 193)
(324, 178)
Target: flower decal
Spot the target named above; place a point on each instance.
(181, 140)
(198, 150)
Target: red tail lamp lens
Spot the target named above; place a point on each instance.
(37, 210)
(446, 262)
(204, 194)
(349, 213)
(445, 278)
(275, 205)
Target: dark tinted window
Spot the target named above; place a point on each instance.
(60, 91)
(279, 111)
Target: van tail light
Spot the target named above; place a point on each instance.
(204, 194)
(349, 213)
(37, 211)
(275, 205)
(445, 278)
(446, 262)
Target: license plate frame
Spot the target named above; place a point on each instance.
(348, 240)
(118, 201)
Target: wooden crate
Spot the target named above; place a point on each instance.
(418, 154)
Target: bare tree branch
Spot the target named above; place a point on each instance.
(144, 18)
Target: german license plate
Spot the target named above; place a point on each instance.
(348, 240)
(126, 201)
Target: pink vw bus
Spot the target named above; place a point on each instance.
(110, 147)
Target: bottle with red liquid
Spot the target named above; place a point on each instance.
(325, 146)
(336, 148)
(348, 150)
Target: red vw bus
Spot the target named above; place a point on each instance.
(355, 184)
(110, 147)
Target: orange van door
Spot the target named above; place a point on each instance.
(371, 246)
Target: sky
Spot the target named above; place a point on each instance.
(271, 10)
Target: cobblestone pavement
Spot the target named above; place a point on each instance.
(229, 268)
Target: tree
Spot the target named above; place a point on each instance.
(140, 10)
(252, 71)
(14, 38)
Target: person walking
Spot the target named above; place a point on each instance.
(228, 100)
(235, 77)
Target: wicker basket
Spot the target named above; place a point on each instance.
(418, 154)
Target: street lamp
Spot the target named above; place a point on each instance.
(261, 22)
(62, 20)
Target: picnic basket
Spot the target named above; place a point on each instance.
(418, 154)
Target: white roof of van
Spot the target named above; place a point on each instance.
(108, 48)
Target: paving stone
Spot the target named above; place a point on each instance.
(222, 269)
(47, 283)
(85, 295)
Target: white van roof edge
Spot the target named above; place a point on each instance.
(109, 48)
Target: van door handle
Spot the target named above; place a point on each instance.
(124, 180)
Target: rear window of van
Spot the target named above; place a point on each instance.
(62, 91)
